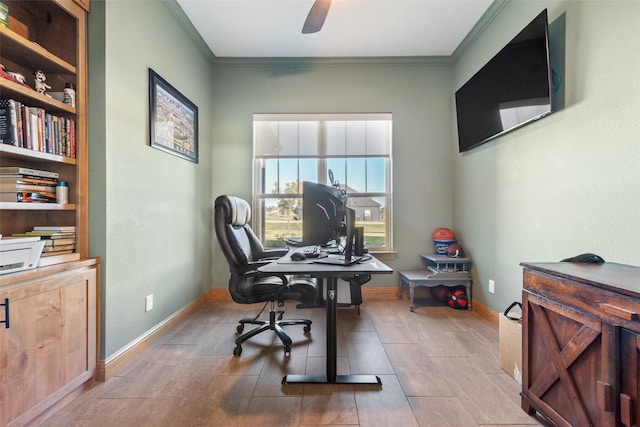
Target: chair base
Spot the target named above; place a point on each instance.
(272, 324)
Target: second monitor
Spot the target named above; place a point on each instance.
(323, 213)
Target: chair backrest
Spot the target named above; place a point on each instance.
(237, 240)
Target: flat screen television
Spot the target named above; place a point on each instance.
(323, 213)
(511, 90)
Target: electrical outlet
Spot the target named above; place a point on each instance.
(148, 303)
(492, 287)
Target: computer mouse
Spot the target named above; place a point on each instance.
(298, 256)
(588, 258)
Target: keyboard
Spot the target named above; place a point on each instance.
(312, 251)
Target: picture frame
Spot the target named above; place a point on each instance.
(173, 119)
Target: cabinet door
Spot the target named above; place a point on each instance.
(630, 384)
(562, 355)
(50, 346)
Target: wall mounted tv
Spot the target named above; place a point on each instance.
(511, 90)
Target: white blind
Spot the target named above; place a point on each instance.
(325, 135)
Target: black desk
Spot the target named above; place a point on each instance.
(331, 273)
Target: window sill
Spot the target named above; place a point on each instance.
(384, 255)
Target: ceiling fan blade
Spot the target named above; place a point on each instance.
(316, 17)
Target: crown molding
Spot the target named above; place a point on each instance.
(382, 61)
(478, 29)
(191, 31)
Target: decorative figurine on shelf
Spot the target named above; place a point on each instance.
(41, 86)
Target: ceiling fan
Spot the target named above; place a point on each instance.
(316, 16)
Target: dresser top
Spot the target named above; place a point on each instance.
(620, 278)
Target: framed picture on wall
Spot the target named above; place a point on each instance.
(173, 119)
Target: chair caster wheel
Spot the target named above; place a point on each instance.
(240, 328)
(287, 350)
(238, 350)
(307, 329)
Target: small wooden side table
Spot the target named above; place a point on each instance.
(440, 270)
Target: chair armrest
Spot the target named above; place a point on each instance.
(252, 270)
(272, 254)
(255, 265)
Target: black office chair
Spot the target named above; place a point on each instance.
(245, 253)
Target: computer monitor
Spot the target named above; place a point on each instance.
(323, 213)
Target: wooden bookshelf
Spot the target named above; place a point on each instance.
(51, 36)
(49, 349)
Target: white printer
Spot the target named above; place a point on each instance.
(19, 253)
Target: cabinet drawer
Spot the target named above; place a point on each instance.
(614, 308)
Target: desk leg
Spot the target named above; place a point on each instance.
(332, 342)
(332, 328)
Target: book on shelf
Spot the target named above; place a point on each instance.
(26, 179)
(54, 242)
(6, 187)
(35, 124)
(18, 170)
(8, 122)
(58, 249)
(48, 235)
(58, 228)
(58, 258)
(54, 253)
(4, 15)
(60, 242)
(28, 197)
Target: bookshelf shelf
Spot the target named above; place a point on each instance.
(37, 206)
(29, 96)
(18, 48)
(26, 154)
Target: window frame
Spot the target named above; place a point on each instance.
(259, 193)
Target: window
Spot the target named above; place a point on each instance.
(292, 148)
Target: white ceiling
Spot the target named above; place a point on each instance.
(353, 28)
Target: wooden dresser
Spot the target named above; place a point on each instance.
(581, 343)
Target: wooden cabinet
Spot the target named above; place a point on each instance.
(50, 36)
(49, 347)
(581, 343)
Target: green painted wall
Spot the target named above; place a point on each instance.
(569, 183)
(150, 211)
(415, 91)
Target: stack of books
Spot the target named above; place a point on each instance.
(59, 243)
(26, 185)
